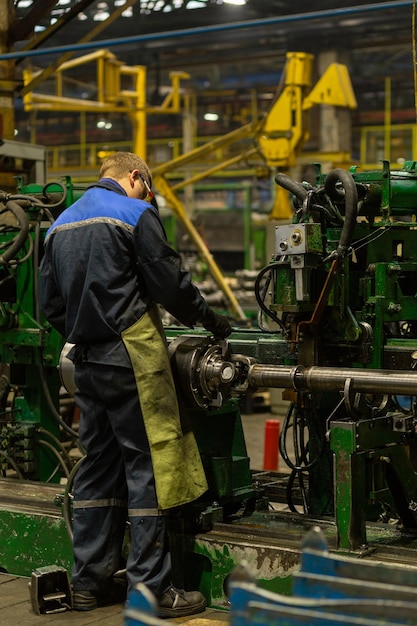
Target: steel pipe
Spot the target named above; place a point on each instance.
(317, 378)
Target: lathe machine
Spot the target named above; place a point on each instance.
(337, 331)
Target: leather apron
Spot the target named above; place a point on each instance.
(178, 470)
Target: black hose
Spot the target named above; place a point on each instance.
(58, 456)
(57, 198)
(41, 371)
(260, 301)
(50, 403)
(350, 197)
(19, 241)
(59, 445)
(12, 463)
(351, 205)
(300, 459)
(67, 497)
(291, 185)
(54, 194)
(289, 490)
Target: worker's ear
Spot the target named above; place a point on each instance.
(133, 177)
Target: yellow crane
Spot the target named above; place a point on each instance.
(278, 136)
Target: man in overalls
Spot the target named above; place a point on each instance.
(106, 265)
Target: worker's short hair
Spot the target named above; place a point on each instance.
(119, 164)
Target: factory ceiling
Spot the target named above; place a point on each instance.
(238, 46)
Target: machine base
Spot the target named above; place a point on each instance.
(269, 543)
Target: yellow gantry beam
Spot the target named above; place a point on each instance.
(193, 155)
(111, 98)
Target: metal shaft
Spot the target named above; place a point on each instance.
(333, 379)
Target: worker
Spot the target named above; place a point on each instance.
(106, 266)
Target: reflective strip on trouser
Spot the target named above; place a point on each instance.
(115, 481)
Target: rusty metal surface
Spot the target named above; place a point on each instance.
(21, 495)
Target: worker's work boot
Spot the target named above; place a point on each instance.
(179, 603)
(113, 592)
(84, 601)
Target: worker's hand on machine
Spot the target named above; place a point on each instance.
(217, 324)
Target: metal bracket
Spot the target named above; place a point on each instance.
(50, 590)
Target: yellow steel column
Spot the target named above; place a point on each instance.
(138, 116)
(7, 70)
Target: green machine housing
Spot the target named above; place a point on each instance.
(336, 331)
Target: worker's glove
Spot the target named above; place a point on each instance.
(217, 324)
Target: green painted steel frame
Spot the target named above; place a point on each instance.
(29, 540)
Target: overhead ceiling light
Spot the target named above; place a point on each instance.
(237, 2)
(351, 22)
(103, 124)
(100, 16)
(24, 4)
(211, 117)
